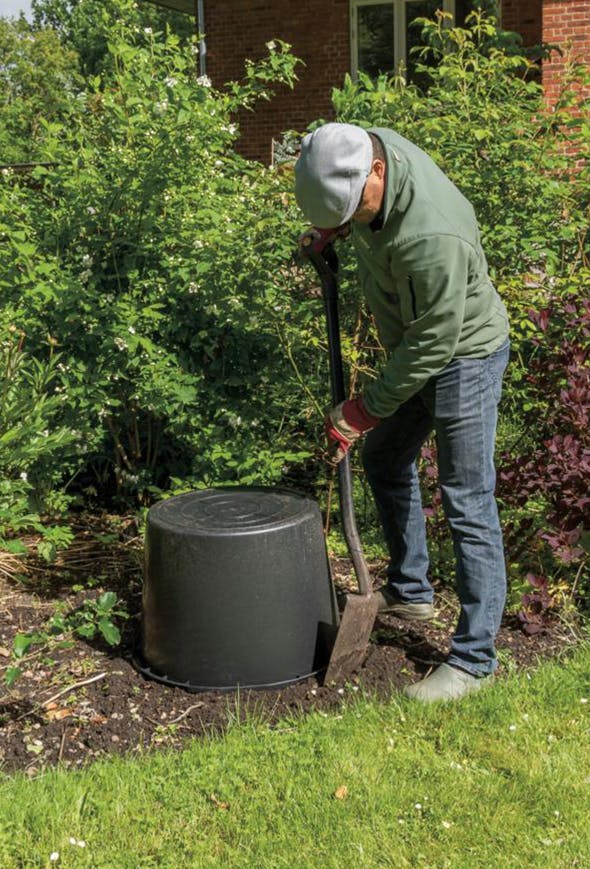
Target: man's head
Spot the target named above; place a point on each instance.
(340, 176)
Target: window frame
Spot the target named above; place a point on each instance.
(399, 29)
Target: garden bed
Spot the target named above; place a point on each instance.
(76, 703)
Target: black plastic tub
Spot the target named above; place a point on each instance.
(237, 590)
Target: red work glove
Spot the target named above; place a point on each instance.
(319, 238)
(345, 424)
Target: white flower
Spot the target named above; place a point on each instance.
(120, 344)
(583, 699)
(418, 806)
(512, 727)
(23, 476)
(54, 856)
(161, 108)
(91, 210)
(170, 81)
(271, 45)
(131, 330)
(147, 30)
(204, 81)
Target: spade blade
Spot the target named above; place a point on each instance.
(352, 640)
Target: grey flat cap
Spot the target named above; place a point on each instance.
(331, 172)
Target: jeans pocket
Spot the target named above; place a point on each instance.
(495, 366)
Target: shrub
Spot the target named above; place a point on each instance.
(158, 263)
(555, 469)
(34, 446)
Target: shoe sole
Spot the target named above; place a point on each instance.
(408, 616)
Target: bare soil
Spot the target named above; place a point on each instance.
(74, 704)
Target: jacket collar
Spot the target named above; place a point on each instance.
(397, 193)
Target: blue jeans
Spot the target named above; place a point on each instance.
(461, 405)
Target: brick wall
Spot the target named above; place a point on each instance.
(318, 30)
(567, 23)
(524, 17)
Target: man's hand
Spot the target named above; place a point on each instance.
(345, 424)
(319, 238)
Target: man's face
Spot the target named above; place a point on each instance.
(372, 197)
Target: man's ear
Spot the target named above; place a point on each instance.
(378, 168)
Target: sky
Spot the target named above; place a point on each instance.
(10, 8)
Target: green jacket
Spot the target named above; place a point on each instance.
(425, 277)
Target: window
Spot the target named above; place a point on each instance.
(382, 35)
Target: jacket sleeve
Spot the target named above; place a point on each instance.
(430, 278)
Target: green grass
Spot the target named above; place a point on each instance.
(499, 780)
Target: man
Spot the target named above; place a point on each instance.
(425, 278)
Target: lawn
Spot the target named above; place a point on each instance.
(501, 779)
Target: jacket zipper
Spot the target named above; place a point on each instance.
(413, 294)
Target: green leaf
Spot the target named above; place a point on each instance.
(15, 547)
(11, 675)
(107, 601)
(21, 644)
(110, 632)
(106, 538)
(47, 550)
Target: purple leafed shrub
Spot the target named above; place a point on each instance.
(535, 605)
(557, 468)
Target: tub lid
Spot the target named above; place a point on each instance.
(232, 510)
